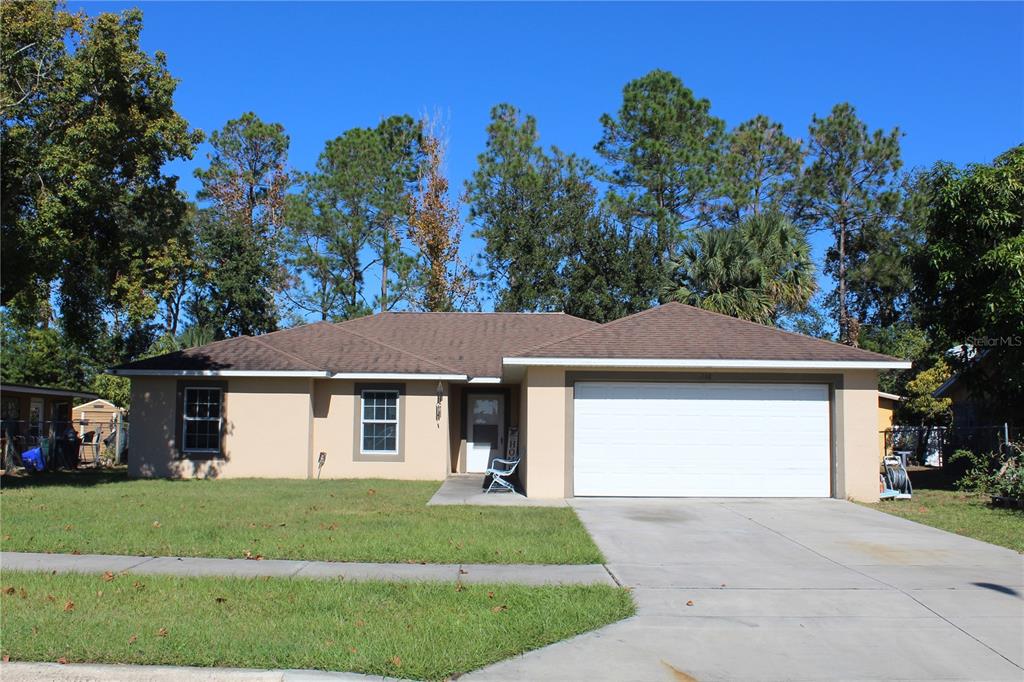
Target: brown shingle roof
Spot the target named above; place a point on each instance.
(240, 353)
(473, 342)
(678, 331)
(393, 343)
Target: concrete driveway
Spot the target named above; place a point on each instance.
(790, 590)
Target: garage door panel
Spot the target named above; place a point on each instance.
(718, 440)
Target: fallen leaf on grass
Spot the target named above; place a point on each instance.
(396, 661)
(75, 552)
(162, 632)
(99, 593)
(459, 587)
(69, 527)
(490, 595)
(156, 524)
(50, 597)
(108, 576)
(62, 660)
(23, 593)
(8, 590)
(371, 491)
(352, 650)
(133, 639)
(360, 623)
(137, 585)
(69, 605)
(499, 609)
(252, 557)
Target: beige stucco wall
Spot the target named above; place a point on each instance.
(266, 430)
(426, 439)
(856, 436)
(546, 426)
(548, 433)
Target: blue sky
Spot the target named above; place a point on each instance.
(950, 75)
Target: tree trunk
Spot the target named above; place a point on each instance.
(844, 315)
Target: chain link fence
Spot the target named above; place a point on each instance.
(932, 445)
(63, 444)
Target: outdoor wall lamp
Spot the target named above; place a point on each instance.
(440, 397)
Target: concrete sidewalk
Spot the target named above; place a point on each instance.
(525, 574)
(90, 672)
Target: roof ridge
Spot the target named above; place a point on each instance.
(459, 312)
(284, 352)
(780, 329)
(606, 325)
(338, 325)
(600, 327)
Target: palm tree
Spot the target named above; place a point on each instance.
(757, 270)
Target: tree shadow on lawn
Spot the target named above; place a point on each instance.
(934, 478)
(69, 478)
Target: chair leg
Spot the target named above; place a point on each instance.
(497, 480)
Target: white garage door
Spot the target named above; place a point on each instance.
(701, 440)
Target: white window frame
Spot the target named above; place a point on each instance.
(185, 419)
(363, 421)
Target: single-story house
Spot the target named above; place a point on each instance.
(672, 401)
(31, 412)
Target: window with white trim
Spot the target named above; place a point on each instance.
(379, 423)
(202, 419)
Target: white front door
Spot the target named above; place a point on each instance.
(485, 428)
(701, 440)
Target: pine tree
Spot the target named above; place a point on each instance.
(435, 229)
(850, 190)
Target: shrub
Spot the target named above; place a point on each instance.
(1009, 481)
(979, 476)
(992, 473)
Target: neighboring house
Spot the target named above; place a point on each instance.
(886, 409)
(968, 411)
(672, 401)
(31, 412)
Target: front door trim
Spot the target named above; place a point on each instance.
(496, 451)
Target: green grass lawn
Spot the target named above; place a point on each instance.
(415, 630)
(337, 520)
(961, 513)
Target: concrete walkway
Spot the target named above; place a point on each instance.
(790, 590)
(55, 672)
(468, 489)
(526, 574)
